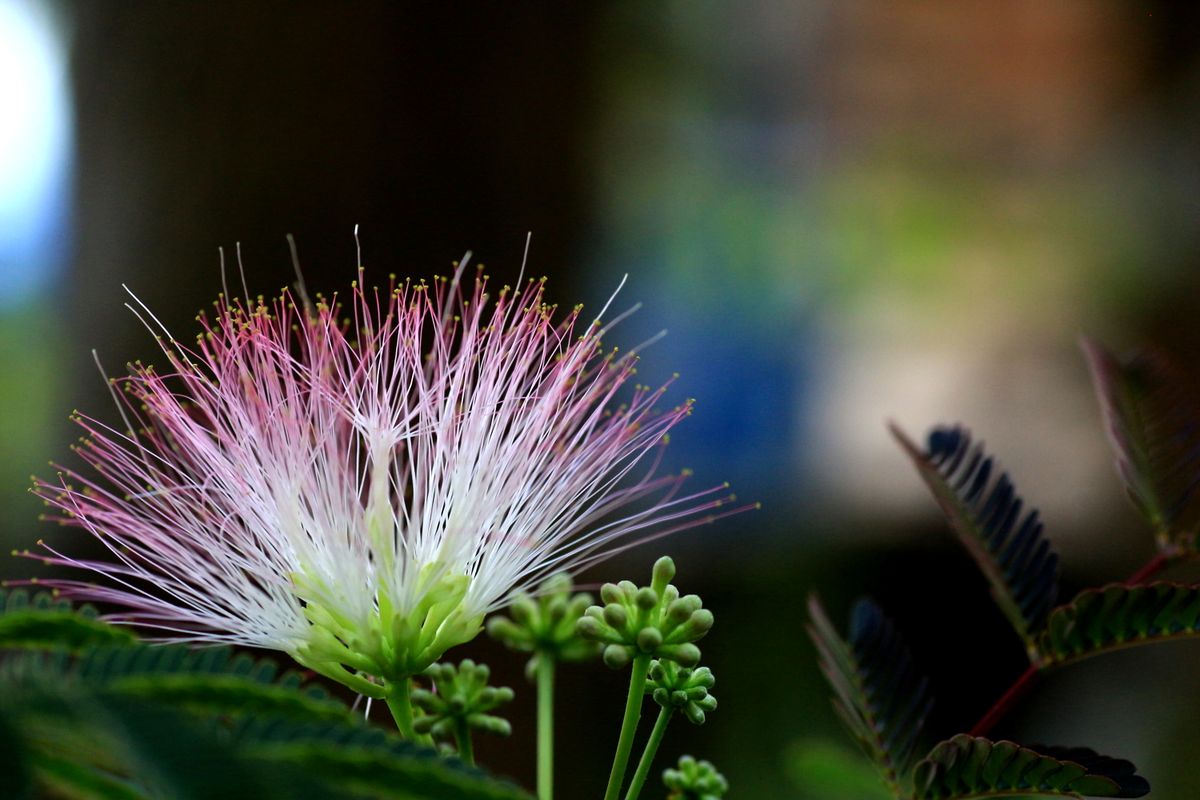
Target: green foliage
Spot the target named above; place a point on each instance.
(824, 770)
(1117, 616)
(986, 513)
(1154, 429)
(121, 719)
(46, 622)
(878, 692)
(968, 767)
(359, 760)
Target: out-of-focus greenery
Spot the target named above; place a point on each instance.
(820, 769)
(30, 360)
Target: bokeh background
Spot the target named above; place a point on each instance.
(843, 212)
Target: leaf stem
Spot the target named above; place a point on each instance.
(1028, 678)
(633, 712)
(1150, 568)
(1007, 700)
(643, 767)
(545, 726)
(462, 737)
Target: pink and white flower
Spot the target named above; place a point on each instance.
(359, 482)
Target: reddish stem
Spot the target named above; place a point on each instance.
(1007, 700)
(1149, 570)
(1024, 683)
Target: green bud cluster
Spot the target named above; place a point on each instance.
(682, 689)
(694, 780)
(653, 620)
(545, 625)
(460, 694)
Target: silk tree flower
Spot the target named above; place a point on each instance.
(359, 482)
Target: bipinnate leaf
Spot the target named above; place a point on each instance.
(1154, 428)
(46, 622)
(89, 711)
(878, 692)
(1118, 616)
(984, 510)
(967, 767)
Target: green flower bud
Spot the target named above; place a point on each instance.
(590, 627)
(682, 689)
(662, 574)
(460, 694)
(652, 620)
(616, 615)
(617, 656)
(523, 609)
(694, 780)
(649, 640)
(547, 625)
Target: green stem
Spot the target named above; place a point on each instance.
(545, 726)
(399, 702)
(633, 712)
(462, 735)
(643, 767)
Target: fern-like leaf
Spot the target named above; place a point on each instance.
(877, 690)
(1118, 616)
(1154, 428)
(984, 510)
(366, 761)
(44, 622)
(971, 767)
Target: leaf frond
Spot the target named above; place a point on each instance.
(1153, 426)
(986, 513)
(878, 692)
(1119, 616)
(967, 767)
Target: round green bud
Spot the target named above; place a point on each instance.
(698, 624)
(610, 594)
(589, 627)
(616, 615)
(523, 609)
(663, 573)
(646, 598)
(686, 655)
(616, 656)
(649, 639)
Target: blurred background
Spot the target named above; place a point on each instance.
(843, 212)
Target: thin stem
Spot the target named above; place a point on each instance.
(1023, 684)
(545, 726)
(643, 767)
(633, 712)
(462, 736)
(1007, 700)
(1150, 569)
(399, 702)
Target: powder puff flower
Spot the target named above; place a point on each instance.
(358, 482)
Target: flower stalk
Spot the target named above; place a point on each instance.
(545, 728)
(629, 723)
(647, 759)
